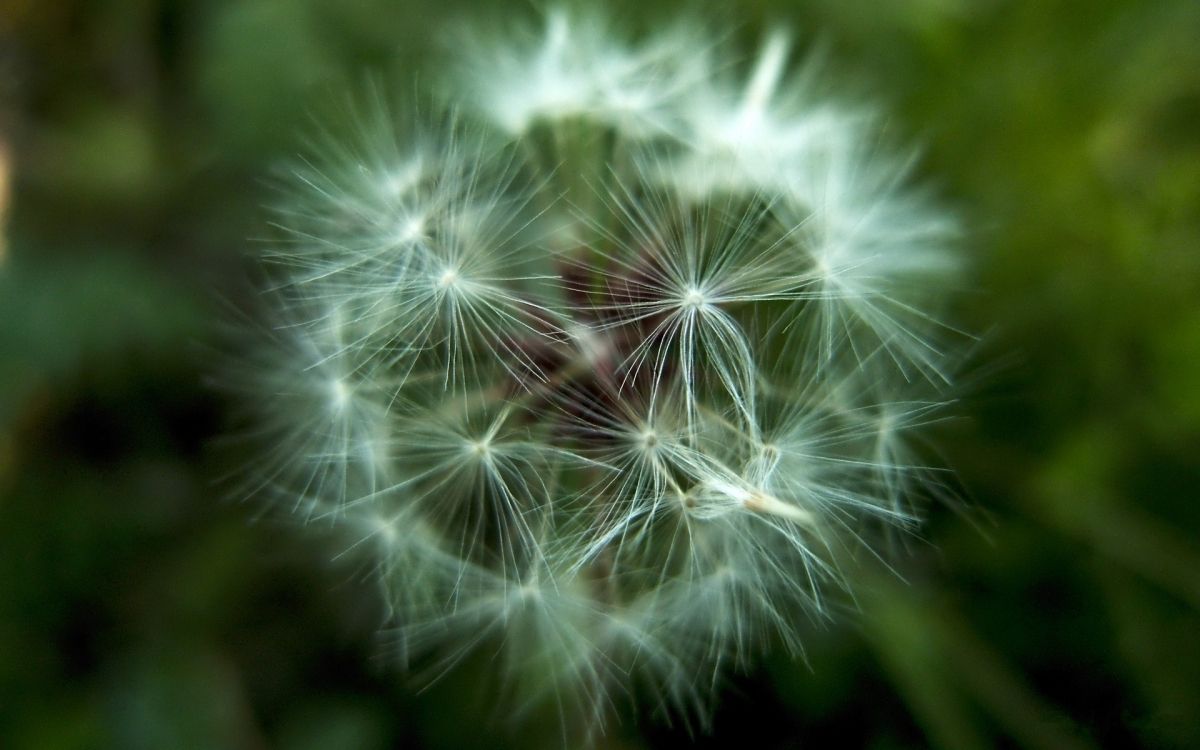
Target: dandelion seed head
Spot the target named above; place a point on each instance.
(613, 398)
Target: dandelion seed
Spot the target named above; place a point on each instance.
(753, 138)
(577, 69)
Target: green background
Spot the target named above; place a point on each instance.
(141, 608)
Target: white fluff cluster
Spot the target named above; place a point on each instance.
(609, 372)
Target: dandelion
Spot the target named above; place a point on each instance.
(611, 371)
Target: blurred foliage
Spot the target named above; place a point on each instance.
(140, 609)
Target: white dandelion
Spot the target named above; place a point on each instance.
(616, 399)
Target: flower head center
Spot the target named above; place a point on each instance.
(339, 394)
(693, 298)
